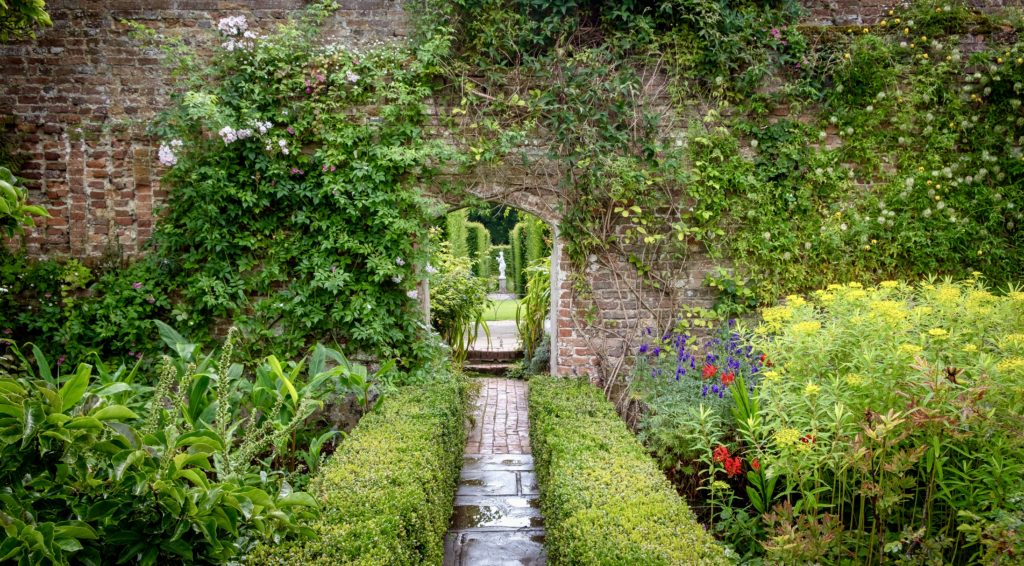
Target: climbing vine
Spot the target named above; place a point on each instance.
(799, 155)
(294, 205)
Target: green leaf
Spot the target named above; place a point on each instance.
(176, 341)
(276, 366)
(42, 364)
(115, 413)
(79, 423)
(297, 498)
(74, 388)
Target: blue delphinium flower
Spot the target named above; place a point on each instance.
(643, 348)
(704, 391)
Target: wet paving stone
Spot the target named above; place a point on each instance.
(497, 519)
(488, 483)
(489, 462)
(496, 548)
(496, 512)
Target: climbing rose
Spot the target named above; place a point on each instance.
(166, 156)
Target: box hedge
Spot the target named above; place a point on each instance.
(603, 499)
(386, 496)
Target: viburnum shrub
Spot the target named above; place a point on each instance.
(885, 429)
(293, 167)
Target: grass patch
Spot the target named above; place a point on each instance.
(501, 310)
(604, 501)
(386, 495)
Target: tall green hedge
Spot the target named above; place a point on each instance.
(456, 230)
(604, 501)
(479, 242)
(527, 243)
(386, 495)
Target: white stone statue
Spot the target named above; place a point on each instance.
(501, 264)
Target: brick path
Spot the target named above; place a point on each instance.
(497, 507)
(500, 422)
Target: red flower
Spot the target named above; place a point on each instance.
(721, 454)
(733, 466)
(755, 465)
(765, 360)
(709, 371)
(728, 378)
(807, 439)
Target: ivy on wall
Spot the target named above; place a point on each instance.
(889, 160)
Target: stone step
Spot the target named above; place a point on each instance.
(499, 368)
(494, 355)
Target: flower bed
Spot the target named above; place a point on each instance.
(387, 494)
(883, 427)
(603, 499)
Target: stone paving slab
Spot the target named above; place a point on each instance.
(487, 462)
(496, 512)
(496, 548)
(497, 518)
(488, 483)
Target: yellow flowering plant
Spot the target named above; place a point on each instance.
(887, 407)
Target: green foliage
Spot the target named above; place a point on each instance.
(15, 212)
(480, 249)
(73, 311)
(535, 306)
(604, 501)
(801, 208)
(19, 18)
(880, 425)
(457, 233)
(292, 205)
(89, 480)
(458, 300)
(387, 493)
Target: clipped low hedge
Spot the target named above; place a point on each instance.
(603, 499)
(386, 495)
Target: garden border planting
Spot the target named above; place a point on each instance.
(387, 494)
(603, 499)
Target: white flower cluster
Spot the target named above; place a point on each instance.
(283, 144)
(263, 127)
(230, 135)
(233, 25)
(166, 153)
(351, 77)
(237, 30)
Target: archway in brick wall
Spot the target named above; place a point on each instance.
(535, 196)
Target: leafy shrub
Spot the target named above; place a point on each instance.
(86, 479)
(387, 493)
(15, 212)
(458, 300)
(293, 175)
(535, 306)
(603, 499)
(71, 310)
(886, 428)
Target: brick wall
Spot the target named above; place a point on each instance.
(81, 94)
(859, 12)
